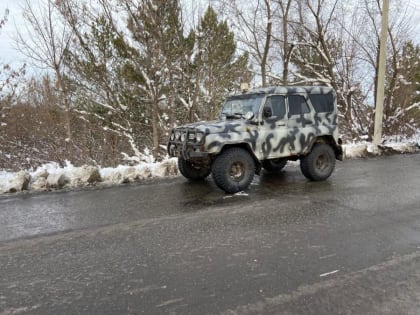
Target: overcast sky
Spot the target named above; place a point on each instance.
(9, 55)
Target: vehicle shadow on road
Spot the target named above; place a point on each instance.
(289, 180)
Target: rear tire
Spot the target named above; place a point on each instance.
(191, 171)
(319, 164)
(274, 165)
(233, 170)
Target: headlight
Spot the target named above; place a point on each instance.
(177, 135)
(199, 136)
(172, 136)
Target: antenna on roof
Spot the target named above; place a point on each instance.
(244, 87)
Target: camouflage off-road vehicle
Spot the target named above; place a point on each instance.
(262, 128)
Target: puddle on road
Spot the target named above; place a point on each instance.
(198, 195)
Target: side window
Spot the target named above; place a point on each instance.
(322, 103)
(278, 105)
(297, 105)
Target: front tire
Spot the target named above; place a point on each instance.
(192, 171)
(233, 170)
(319, 164)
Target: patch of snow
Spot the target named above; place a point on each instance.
(238, 194)
(14, 182)
(51, 176)
(373, 149)
(403, 147)
(366, 149)
(354, 151)
(5, 177)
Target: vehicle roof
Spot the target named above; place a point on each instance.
(292, 89)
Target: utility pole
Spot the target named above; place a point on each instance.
(377, 135)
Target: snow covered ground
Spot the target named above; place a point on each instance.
(52, 177)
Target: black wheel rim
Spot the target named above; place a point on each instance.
(237, 171)
(322, 163)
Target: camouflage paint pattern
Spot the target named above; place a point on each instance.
(265, 138)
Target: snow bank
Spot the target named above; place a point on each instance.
(364, 150)
(127, 174)
(352, 151)
(14, 182)
(51, 176)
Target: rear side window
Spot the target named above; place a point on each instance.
(322, 103)
(297, 105)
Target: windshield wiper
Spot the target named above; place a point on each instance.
(233, 115)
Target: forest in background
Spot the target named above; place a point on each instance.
(120, 73)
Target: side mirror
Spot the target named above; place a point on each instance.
(249, 115)
(267, 112)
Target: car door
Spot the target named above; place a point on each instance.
(300, 123)
(273, 129)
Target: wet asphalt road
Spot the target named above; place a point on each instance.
(350, 245)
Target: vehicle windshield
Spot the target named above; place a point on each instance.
(237, 106)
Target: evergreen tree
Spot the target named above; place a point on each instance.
(402, 113)
(128, 80)
(221, 70)
(8, 84)
(160, 46)
(93, 68)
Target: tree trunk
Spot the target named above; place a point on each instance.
(267, 45)
(67, 113)
(155, 128)
(287, 51)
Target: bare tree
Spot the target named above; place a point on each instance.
(400, 27)
(3, 19)
(46, 45)
(253, 25)
(286, 45)
(327, 54)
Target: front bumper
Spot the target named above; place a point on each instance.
(188, 152)
(185, 145)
